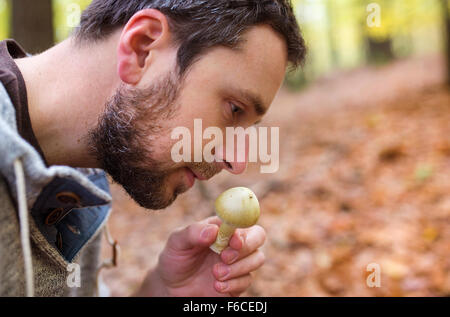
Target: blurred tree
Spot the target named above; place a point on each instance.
(445, 8)
(331, 29)
(32, 24)
(4, 19)
(379, 31)
(379, 51)
(66, 15)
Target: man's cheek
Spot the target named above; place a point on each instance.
(161, 148)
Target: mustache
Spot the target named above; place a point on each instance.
(206, 170)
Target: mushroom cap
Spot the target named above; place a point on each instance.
(238, 207)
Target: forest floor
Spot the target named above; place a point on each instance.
(364, 178)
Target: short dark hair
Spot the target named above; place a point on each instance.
(199, 25)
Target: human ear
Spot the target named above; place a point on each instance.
(144, 34)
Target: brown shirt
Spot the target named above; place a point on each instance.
(12, 79)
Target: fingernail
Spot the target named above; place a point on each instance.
(206, 232)
(232, 256)
(241, 237)
(223, 271)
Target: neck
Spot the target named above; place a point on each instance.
(67, 88)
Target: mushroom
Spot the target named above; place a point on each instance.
(237, 207)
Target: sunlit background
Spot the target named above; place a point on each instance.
(337, 32)
(364, 159)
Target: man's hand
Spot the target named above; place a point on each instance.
(187, 267)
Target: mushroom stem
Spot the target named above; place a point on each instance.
(223, 237)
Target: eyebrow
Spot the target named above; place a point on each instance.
(255, 101)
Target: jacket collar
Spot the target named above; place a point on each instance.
(41, 179)
(37, 174)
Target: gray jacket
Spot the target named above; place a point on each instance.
(50, 217)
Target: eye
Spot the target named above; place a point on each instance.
(235, 110)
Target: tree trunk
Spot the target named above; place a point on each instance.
(445, 8)
(380, 52)
(32, 24)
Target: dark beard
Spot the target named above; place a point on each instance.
(121, 142)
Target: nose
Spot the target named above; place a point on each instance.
(235, 159)
(234, 167)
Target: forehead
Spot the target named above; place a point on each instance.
(258, 65)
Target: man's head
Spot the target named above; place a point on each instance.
(179, 60)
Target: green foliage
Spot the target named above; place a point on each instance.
(66, 15)
(338, 35)
(4, 19)
(336, 32)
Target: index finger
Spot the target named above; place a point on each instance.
(243, 243)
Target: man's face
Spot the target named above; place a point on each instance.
(133, 139)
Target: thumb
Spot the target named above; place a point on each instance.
(196, 235)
